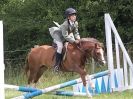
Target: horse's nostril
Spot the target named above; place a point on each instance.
(104, 62)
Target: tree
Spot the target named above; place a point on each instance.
(26, 22)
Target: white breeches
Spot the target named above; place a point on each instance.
(59, 46)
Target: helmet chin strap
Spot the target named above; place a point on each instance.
(71, 22)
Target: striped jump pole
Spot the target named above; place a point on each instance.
(20, 88)
(59, 86)
(69, 93)
(31, 89)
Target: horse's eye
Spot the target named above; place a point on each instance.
(98, 53)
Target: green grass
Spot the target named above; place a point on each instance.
(50, 79)
(117, 95)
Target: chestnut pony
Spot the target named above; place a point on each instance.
(42, 57)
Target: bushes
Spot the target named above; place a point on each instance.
(26, 22)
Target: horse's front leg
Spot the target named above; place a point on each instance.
(90, 82)
(88, 78)
(84, 80)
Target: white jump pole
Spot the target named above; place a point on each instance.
(2, 92)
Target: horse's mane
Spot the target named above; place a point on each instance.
(92, 40)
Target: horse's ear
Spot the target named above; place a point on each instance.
(96, 45)
(102, 45)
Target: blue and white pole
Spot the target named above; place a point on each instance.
(59, 86)
(20, 88)
(49, 89)
(31, 89)
(69, 93)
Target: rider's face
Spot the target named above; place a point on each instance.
(72, 17)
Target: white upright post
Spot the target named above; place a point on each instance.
(109, 50)
(118, 65)
(125, 71)
(120, 42)
(109, 25)
(117, 54)
(2, 92)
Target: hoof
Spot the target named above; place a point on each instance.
(89, 97)
(92, 85)
(56, 69)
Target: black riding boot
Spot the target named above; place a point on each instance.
(57, 61)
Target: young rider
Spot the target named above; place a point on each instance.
(68, 31)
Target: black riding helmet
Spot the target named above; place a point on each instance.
(70, 11)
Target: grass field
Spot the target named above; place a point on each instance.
(116, 95)
(50, 79)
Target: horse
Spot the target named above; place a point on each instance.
(42, 57)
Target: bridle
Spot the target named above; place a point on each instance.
(96, 56)
(93, 52)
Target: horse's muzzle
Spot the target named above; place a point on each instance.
(103, 62)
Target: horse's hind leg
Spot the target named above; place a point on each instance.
(32, 75)
(39, 73)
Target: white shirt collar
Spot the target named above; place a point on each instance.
(71, 23)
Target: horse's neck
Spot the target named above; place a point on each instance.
(73, 58)
(80, 55)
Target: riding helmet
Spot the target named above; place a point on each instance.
(70, 11)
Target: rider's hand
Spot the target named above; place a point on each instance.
(76, 41)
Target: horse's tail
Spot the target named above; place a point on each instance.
(26, 66)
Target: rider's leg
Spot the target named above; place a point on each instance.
(58, 55)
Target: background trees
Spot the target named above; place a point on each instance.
(26, 22)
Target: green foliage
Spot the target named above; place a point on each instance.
(26, 22)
